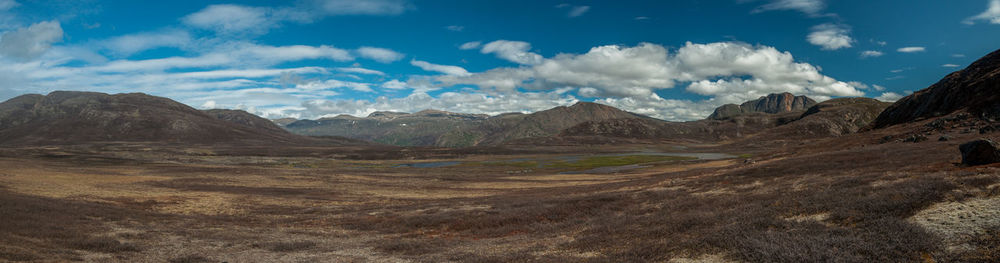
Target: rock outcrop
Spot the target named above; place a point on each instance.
(836, 117)
(772, 103)
(975, 89)
(980, 152)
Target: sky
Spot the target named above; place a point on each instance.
(673, 60)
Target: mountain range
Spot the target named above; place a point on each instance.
(66, 117)
(448, 129)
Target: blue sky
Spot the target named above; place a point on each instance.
(674, 60)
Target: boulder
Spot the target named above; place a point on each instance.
(980, 152)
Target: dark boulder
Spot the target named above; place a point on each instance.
(980, 152)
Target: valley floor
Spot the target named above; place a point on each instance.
(826, 200)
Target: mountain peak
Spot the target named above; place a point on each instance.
(772, 103)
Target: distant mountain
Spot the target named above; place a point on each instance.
(284, 121)
(772, 103)
(975, 89)
(834, 117)
(440, 128)
(831, 118)
(418, 129)
(702, 130)
(246, 119)
(66, 117)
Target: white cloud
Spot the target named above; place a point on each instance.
(380, 54)
(889, 96)
(641, 18)
(242, 54)
(30, 42)
(871, 54)
(362, 7)
(455, 28)
(446, 69)
(513, 51)
(911, 49)
(7, 4)
(232, 19)
(729, 72)
(958, 55)
(810, 7)
(247, 73)
(240, 20)
(578, 11)
(589, 92)
(950, 66)
(394, 85)
(334, 84)
(208, 105)
(666, 109)
(130, 44)
(361, 71)
(830, 36)
(470, 45)
(992, 14)
(574, 11)
(466, 102)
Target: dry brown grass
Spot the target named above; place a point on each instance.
(849, 204)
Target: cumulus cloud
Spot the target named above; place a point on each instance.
(950, 65)
(830, 36)
(446, 69)
(382, 55)
(470, 45)
(889, 96)
(809, 7)
(992, 14)
(911, 49)
(208, 105)
(474, 102)
(871, 54)
(30, 42)
(394, 85)
(513, 51)
(729, 72)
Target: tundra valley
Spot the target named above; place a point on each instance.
(784, 174)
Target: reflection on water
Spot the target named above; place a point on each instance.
(429, 164)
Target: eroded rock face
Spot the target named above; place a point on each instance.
(975, 89)
(773, 103)
(980, 152)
